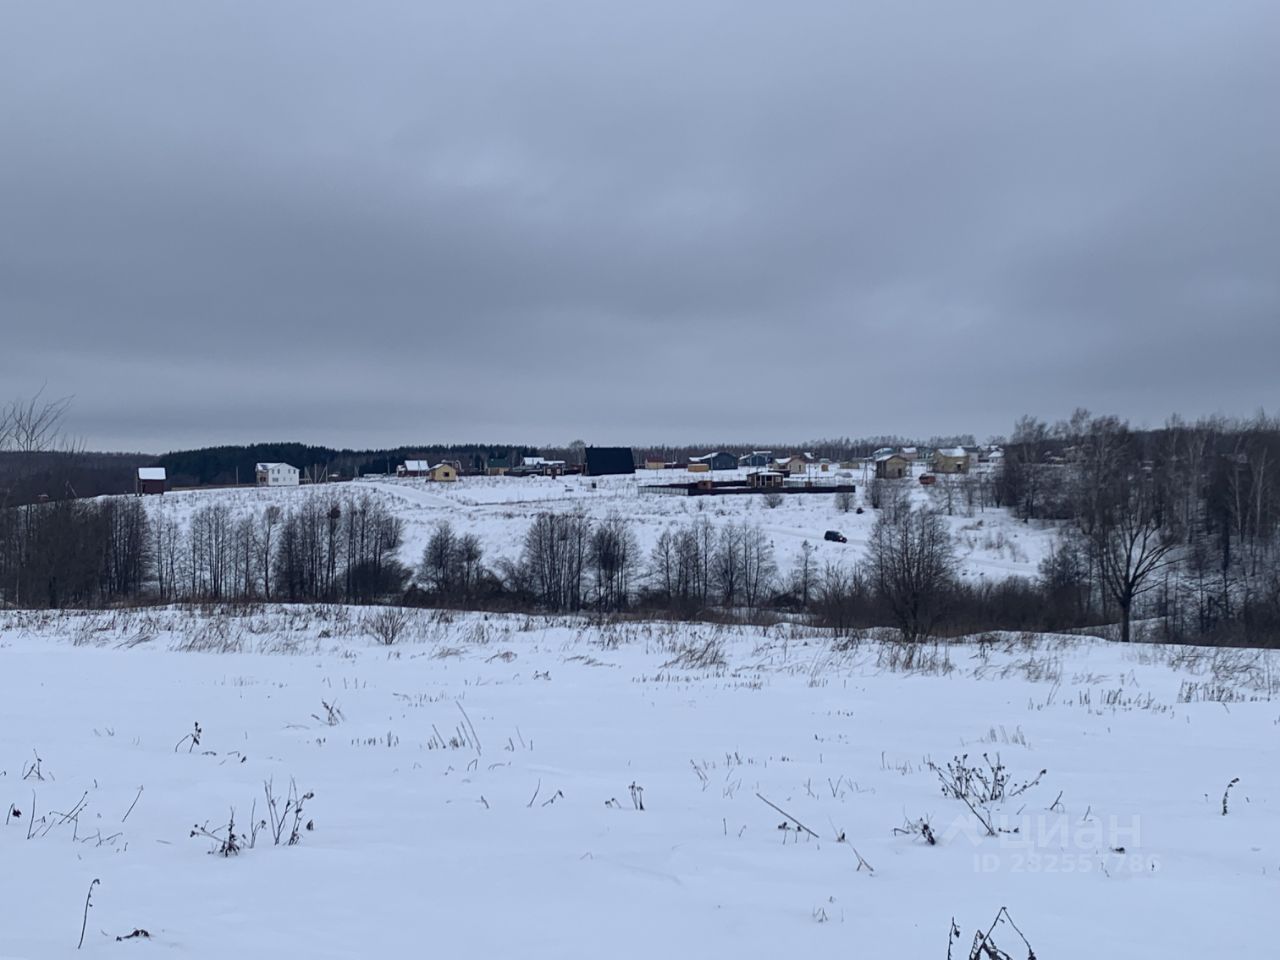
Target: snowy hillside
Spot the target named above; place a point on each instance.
(498, 510)
(475, 789)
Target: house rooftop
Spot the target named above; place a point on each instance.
(152, 473)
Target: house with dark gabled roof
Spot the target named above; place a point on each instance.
(716, 461)
(606, 461)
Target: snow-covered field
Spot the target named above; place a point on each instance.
(473, 790)
(498, 510)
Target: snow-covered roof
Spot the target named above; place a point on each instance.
(954, 452)
(889, 456)
(417, 466)
(268, 466)
(437, 466)
(151, 473)
(908, 449)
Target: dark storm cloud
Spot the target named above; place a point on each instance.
(388, 222)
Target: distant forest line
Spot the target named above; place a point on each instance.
(61, 474)
(1179, 526)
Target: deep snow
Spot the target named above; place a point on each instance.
(510, 842)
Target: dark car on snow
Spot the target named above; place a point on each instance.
(835, 536)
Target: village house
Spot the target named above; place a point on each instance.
(413, 468)
(716, 461)
(766, 478)
(655, 463)
(951, 460)
(892, 466)
(150, 480)
(793, 465)
(276, 475)
(539, 467)
(443, 473)
(496, 466)
(756, 458)
(608, 461)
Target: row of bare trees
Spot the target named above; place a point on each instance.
(109, 550)
(570, 562)
(699, 566)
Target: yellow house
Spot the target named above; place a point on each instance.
(443, 473)
(702, 467)
(655, 463)
(792, 465)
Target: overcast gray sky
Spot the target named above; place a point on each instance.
(373, 223)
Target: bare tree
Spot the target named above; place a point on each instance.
(612, 557)
(439, 559)
(759, 571)
(912, 566)
(803, 575)
(946, 488)
(468, 555)
(266, 543)
(727, 563)
(1131, 548)
(840, 594)
(33, 425)
(554, 557)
